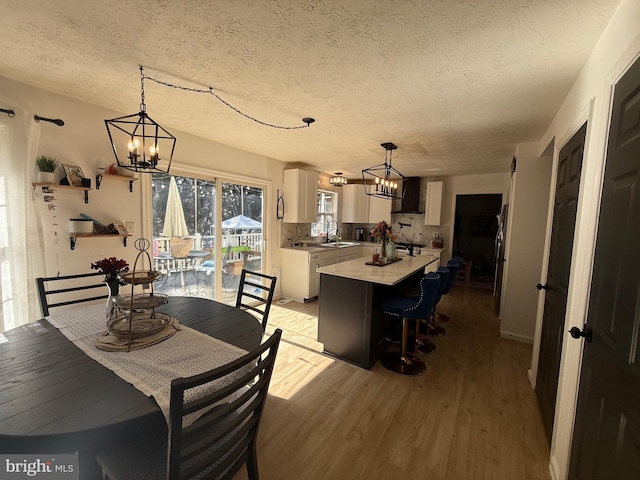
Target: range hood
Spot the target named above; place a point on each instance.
(411, 201)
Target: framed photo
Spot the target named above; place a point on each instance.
(74, 174)
(120, 228)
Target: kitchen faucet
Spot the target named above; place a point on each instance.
(326, 240)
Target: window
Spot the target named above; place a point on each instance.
(327, 214)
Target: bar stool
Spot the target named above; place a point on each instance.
(431, 328)
(453, 267)
(403, 362)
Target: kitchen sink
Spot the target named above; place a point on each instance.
(337, 244)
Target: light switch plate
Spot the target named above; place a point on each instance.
(130, 226)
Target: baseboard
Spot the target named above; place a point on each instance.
(516, 338)
(553, 469)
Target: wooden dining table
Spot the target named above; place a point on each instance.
(56, 399)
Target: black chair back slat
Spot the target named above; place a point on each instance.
(224, 438)
(252, 279)
(49, 288)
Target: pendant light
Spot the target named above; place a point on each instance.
(145, 140)
(383, 181)
(338, 180)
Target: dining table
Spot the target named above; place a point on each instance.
(55, 398)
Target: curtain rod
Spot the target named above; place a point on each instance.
(37, 118)
(57, 121)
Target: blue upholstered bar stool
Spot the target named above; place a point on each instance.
(453, 267)
(410, 309)
(429, 328)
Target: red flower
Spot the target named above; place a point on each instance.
(111, 267)
(382, 231)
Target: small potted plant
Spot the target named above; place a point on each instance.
(46, 166)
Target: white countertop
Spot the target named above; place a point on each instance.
(391, 274)
(315, 248)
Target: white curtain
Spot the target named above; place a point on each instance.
(21, 239)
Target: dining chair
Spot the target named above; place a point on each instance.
(69, 289)
(216, 445)
(251, 291)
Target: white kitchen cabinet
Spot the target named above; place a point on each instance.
(433, 209)
(300, 281)
(379, 209)
(355, 204)
(358, 207)
(300, 196)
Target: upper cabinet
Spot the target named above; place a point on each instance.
(379, 209)
(355, 204)
(358, 207)
(300, 196)
(433, 209)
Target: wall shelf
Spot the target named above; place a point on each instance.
(74, 236)
(121, 178)
(55, 186)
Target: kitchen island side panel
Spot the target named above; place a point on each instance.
(350, 324)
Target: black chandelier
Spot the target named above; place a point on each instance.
(144, 138)
(383, 180)
(338, 180)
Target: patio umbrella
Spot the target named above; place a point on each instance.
(174, 223)
(240, 221)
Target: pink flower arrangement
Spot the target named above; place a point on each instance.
(382, 232)
(110, 267)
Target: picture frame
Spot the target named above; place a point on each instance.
(74, 174)
(120, 228)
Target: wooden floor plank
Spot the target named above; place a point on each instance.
(472, 415)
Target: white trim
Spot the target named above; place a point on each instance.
(554, 471)
(581, 271)
(558, 145)
(515, 337)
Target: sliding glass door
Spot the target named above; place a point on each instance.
(194, 259)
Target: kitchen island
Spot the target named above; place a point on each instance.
(351, 325)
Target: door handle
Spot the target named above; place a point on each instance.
(542, 287)
(586, 332)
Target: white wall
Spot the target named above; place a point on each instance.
(83, 141)
(589, 97)
(527, 222)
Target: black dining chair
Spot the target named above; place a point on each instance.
(251, 290)
(406, 308)
(70, 289)
(216, 445)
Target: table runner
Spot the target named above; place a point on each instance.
(150, 369)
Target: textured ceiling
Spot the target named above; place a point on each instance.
(455, 84)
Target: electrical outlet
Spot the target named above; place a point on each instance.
(130, 227)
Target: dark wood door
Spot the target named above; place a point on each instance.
(606, 441)
(557, 286)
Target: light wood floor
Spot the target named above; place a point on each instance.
(471, 416)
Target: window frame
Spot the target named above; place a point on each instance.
(324, 219)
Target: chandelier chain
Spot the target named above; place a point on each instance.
(220, 99)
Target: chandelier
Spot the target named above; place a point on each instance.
(383, 180)
(338, 180)
(144, 139)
